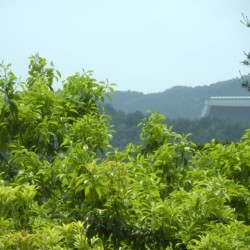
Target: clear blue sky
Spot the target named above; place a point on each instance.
(142, 45)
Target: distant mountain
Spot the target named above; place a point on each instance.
(176, 102)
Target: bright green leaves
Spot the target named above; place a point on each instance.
(58, 237)
(40, 74)
(94, 182)
(230, 160)
(154, 132)
(92, 131)
(16, 204)
(8, 104)
(232, 236)
(46, 138)
(163, 194)
(84, 91)
(41, 119)
(7, 81)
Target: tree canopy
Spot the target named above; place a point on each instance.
(63, 186)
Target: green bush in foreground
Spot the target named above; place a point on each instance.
(62, 186)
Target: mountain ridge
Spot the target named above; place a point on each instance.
(178, 101)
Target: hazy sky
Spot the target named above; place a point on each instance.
(142, 45)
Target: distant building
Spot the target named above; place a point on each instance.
(231, 108)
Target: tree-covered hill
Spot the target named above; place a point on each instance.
(176, 102)
(201, 130)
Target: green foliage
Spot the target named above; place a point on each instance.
(219, 236)
(63, 186)
(201, 130)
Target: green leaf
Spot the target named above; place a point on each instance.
(58, 73)
(98, 191)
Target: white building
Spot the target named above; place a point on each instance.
(228, 107)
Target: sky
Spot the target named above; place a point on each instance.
(141, 45)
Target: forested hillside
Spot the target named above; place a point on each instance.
(176, 102)
(201, 130)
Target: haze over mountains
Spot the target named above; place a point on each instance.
(177, 102)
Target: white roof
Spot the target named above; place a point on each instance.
(225, 101)
(229, 97)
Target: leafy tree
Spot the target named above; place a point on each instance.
(56, 192)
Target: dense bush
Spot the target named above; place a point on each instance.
(56, 192)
